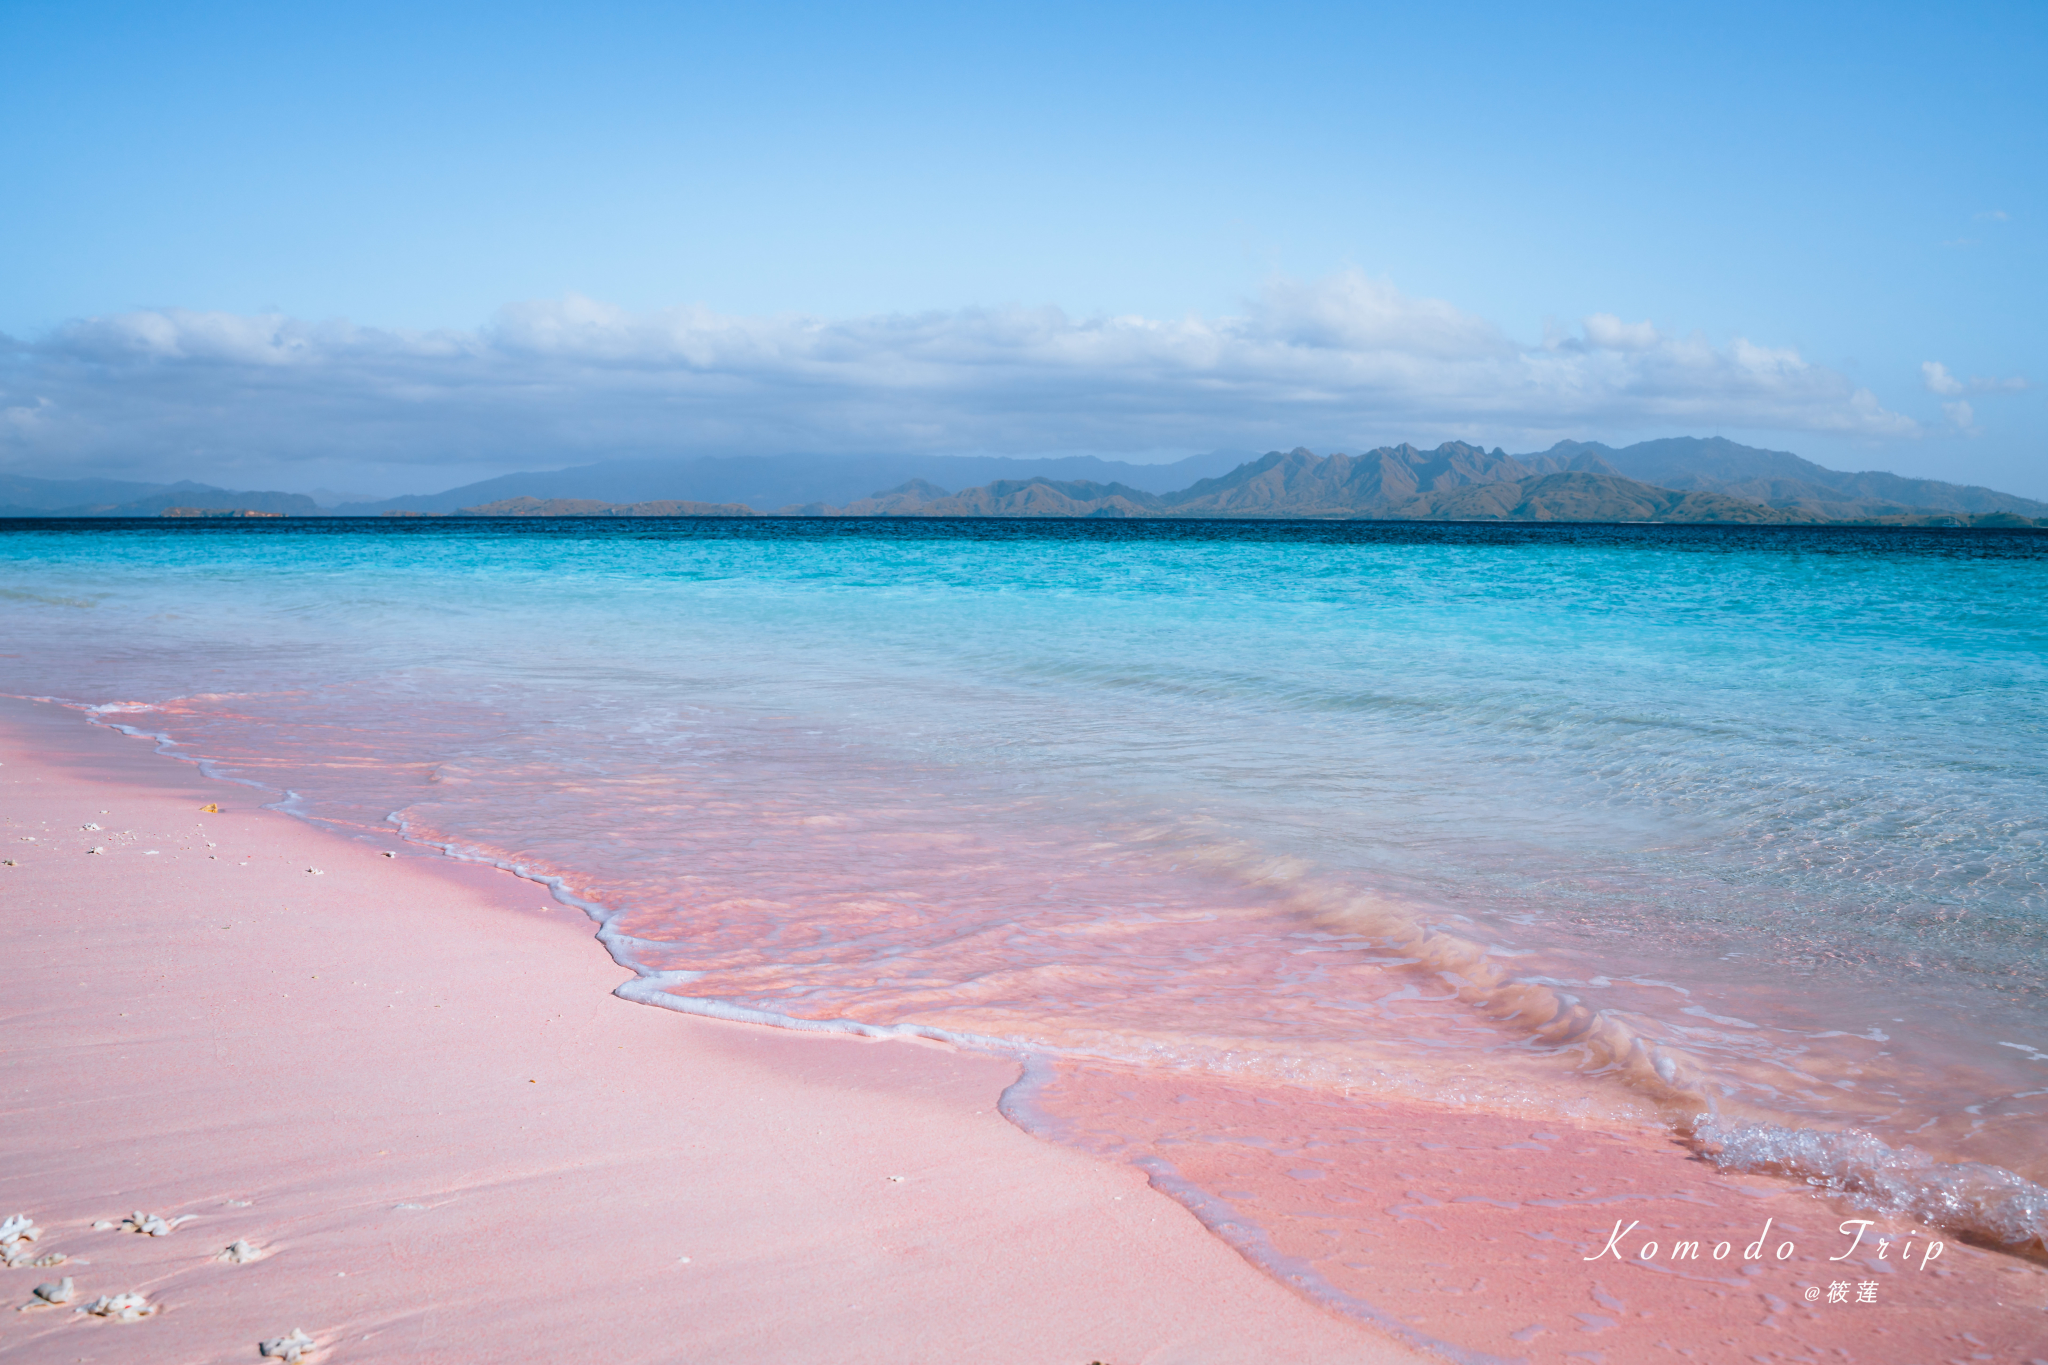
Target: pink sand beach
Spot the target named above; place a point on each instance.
(404, 1083)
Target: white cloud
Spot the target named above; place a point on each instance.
(1995, 216)
(1936, 377)
(1608, 331)
(1964, 417)
(1326, 363)
(1351, 312)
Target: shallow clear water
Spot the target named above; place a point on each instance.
(1743, 829)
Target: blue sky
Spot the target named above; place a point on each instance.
(410, 245)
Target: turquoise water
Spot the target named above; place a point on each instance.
(1741, 830)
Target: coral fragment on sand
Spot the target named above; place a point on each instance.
(121, 1307)
(50, 1295)
(291, 1348)
(16, 1235)
(239, 1252)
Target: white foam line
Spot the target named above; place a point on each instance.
(650, 986)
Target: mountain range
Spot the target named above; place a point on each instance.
(1783, 480)
(1702, 481)
(22, 496)
(1677, 479)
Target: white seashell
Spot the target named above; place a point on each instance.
(120, 1307)
(95, 850)
(60, 1292)
(240, 1253)
(289, 1349)
(104, 1224)
(88, 826)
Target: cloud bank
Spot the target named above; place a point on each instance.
(1331, 363)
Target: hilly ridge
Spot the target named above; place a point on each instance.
(1686, 479)
(1781, 479)
(22, 496)
(1454, 482)
(1721, 477)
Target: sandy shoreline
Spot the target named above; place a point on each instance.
(405, 1079)
(408, 1083)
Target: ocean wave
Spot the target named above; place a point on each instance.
(1969, 1197)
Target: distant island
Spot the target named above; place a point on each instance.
(1705, 480)
(1573, 482)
